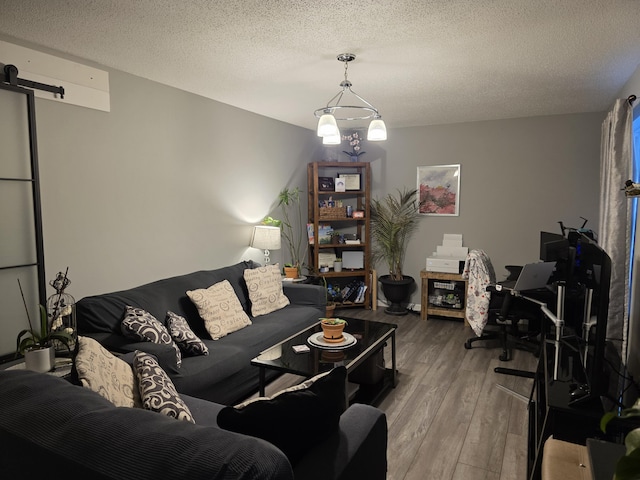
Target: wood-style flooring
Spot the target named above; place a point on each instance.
(447, 420)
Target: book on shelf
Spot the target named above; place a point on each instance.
(351, 291)
(310, 233)
(324, 233)
(361, 293)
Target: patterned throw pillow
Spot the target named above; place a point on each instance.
(265, 289)
(182, 334)
(220, 309)
(157, 391)
(144, 327)
(106, 374)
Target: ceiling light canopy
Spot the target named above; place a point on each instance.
(328, 116)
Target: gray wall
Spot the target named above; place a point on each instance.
(169, 182)
(166, 183)
(518, 177)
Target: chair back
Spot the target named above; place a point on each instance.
(479, 273)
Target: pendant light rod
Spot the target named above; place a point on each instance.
(327, 125)
(346, 85)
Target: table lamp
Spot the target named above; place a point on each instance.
(266, 238)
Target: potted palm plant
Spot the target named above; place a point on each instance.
(394, 219)
(293, 228)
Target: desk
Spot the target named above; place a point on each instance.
(458, 284)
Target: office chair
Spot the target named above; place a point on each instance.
(504, 312)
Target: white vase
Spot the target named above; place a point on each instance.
(337, 266)
(40, 359)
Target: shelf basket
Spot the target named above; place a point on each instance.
(445, 286)
(332, 213)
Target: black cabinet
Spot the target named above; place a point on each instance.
(553, 411)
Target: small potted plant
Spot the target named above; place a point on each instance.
(332, 329)
(290, 271)
(337, 264)
(38, 346)
(337, 238)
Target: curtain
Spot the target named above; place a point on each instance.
(615, 213)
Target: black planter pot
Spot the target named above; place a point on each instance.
(396, 292)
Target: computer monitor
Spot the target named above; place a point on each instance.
(583, 266)
(593, 270)
(556, 248)
(553, 247)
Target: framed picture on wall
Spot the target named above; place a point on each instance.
(439, 190)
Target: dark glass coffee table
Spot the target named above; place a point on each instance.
(370, 337)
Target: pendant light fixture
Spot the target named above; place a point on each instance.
(328, 116)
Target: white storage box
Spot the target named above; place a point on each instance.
(444, 265)
(458, 252)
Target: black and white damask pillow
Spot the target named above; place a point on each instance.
(157, 391)
(144, 327)
(182, 334)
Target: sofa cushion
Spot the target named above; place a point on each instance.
(106, 374)
(142, 326)
(265, 289)
(220, 309)
(184, 337)
(294, 419)
(157, 391)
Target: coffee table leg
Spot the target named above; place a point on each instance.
(393, 359)
(262, 381)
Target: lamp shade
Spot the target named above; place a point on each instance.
(327, 126)
(265, 237)
(332, 139)
(377, 130)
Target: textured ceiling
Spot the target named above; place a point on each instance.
(419, 62)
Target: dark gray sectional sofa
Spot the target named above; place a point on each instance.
(225, 375)
(77, 433)
(50, 426)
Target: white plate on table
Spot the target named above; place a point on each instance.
(317, 340)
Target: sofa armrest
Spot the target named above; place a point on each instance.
(305, 294)
(358, 449)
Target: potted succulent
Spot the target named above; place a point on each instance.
(38, 346)
(295, 235)
(337, 264)
(394, 219)
(332, 329)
